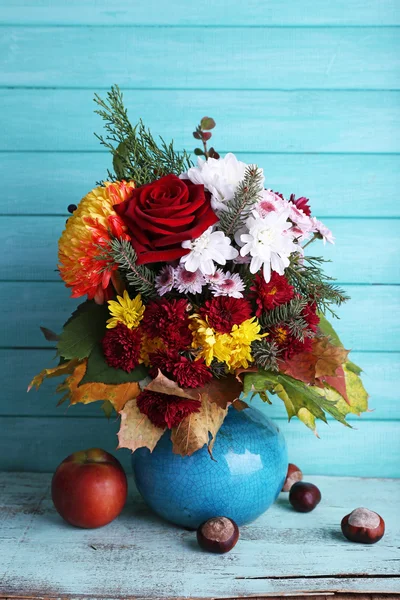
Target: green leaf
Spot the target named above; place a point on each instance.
(99, 371)
(353, 367)
(119, 160)
(207, 123)
(50, 335)
(83, 330)
(306, 402)
(328, 330)
(198, 152)
(107, 408)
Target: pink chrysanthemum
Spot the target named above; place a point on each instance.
(232, 285)
(164, 281)
(187, 282)
(217, 277)
(325, 233)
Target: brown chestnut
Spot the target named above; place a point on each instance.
(304, 497)
(363, 526)
(293, 475)
(218, 534)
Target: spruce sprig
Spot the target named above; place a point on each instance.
(266, 354)
(306, 275)
(247, 194)
(138, 276)
(291, 315)
(136, 154)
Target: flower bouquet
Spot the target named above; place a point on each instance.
(200, 292)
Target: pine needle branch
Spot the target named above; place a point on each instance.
(136, 154)
(138, 276)
(306, 275)
(290, 315)
(246, 195)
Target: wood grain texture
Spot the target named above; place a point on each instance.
(43, 442)
(370, 263)
(316, 58)
(209, 12)
(380, 377)
(361, 326)
(337, 185)
(42, 556)
(267, 121)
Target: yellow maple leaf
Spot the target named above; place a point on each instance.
(62, 369)
(136, 430)
(193, 431)
(118, 395)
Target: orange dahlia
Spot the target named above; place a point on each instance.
(89, 230)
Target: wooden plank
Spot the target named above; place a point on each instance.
(210, 12)
(315, 58)
(56, 560)
(369, 263)
(371, 450)
(19, 367)
(333, 182)
(26, 306)
(297, 121)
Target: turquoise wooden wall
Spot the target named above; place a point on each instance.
(308, 90)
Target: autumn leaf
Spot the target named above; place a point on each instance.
(222, 391)
(322, 361)
(194, 431)
(117, 395)
(329, 357)
(136, 430)
(163, 385)
(357, 396)
(64, 368)
(338, 382)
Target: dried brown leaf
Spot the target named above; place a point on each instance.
(136, 430)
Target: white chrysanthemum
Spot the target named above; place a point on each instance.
(164, 281)
(323, 231)
(211, 246)
(220, 177)
(269, 242)
(231, 285)
(187, 282)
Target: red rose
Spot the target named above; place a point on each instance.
(163, 214)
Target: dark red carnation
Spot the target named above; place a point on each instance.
(163, 214)
(274, 293)
(191, 374)
(121, 347)
(164, 410)
(301, 203)
(223, 312)
(169, 320)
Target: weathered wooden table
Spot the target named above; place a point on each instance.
(138, 556)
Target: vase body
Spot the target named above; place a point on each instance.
(243, 480)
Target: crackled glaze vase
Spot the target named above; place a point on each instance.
(243, 480)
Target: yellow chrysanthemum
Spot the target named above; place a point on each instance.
(148, 346)
(238, 344)
(87, 231)
(125, 310)
(234, 348)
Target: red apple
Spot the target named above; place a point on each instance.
(89, 488)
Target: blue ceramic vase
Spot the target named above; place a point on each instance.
(243, 480)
